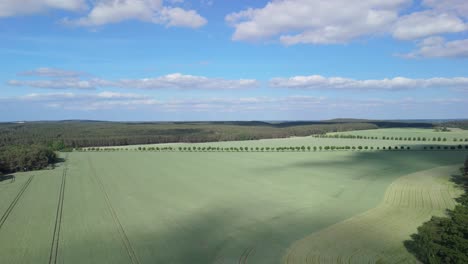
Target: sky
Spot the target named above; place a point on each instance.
(181, 60)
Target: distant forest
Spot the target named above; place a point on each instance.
(74, 134)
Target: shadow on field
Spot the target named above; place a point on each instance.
(213, 236)
(377, 159)
(59, 160)
(7, 177)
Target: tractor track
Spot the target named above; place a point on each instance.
(128, 246)
(54, 248)
(15, 201)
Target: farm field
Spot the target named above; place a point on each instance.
(314, 141)
(222, 207)
(409, 132)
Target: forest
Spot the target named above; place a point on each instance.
(74, 134)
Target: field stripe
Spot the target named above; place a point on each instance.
(58, 218)
(15, 201)
(128, 246)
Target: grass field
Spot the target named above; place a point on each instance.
(223, 207)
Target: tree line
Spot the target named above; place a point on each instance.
(444, 239)
(269, 149)
(433, 139)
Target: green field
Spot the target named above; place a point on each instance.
(225, 207)
(314, 141)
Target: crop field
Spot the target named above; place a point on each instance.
(460, 135)
(226, 207)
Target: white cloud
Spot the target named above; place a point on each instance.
(427, 23)
(27, 7)
(170, 81)
(73, 101)
(302, 106)
(180, 81)
(112, 100)
(52, 72)
(399, 83)
(69, 83)
(438, 47)
(114, 11)
(459, 7)
(178, 17)
(341, 21)
(315, 21)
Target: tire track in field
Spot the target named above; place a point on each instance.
(15, 201)
(126, 242)
(377, 234)
(54, 248)
(246, 254)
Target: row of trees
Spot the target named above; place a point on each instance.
(444, 239)
(25, 158)
(434, 139)
(272, 149)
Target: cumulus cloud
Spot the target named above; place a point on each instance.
(399, 83)
(27, 7)
(170, 81)
(427, 23)
(341, 21)
(153, 11)
(438, 47)
(101, 12)
(317, 22)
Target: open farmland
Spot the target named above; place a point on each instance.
(460, 135)
(430, 134)
(222, 207)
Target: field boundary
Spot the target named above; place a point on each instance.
(15, 201)
(128, 246)
(58, 218)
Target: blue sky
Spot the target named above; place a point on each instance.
(233, 60)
